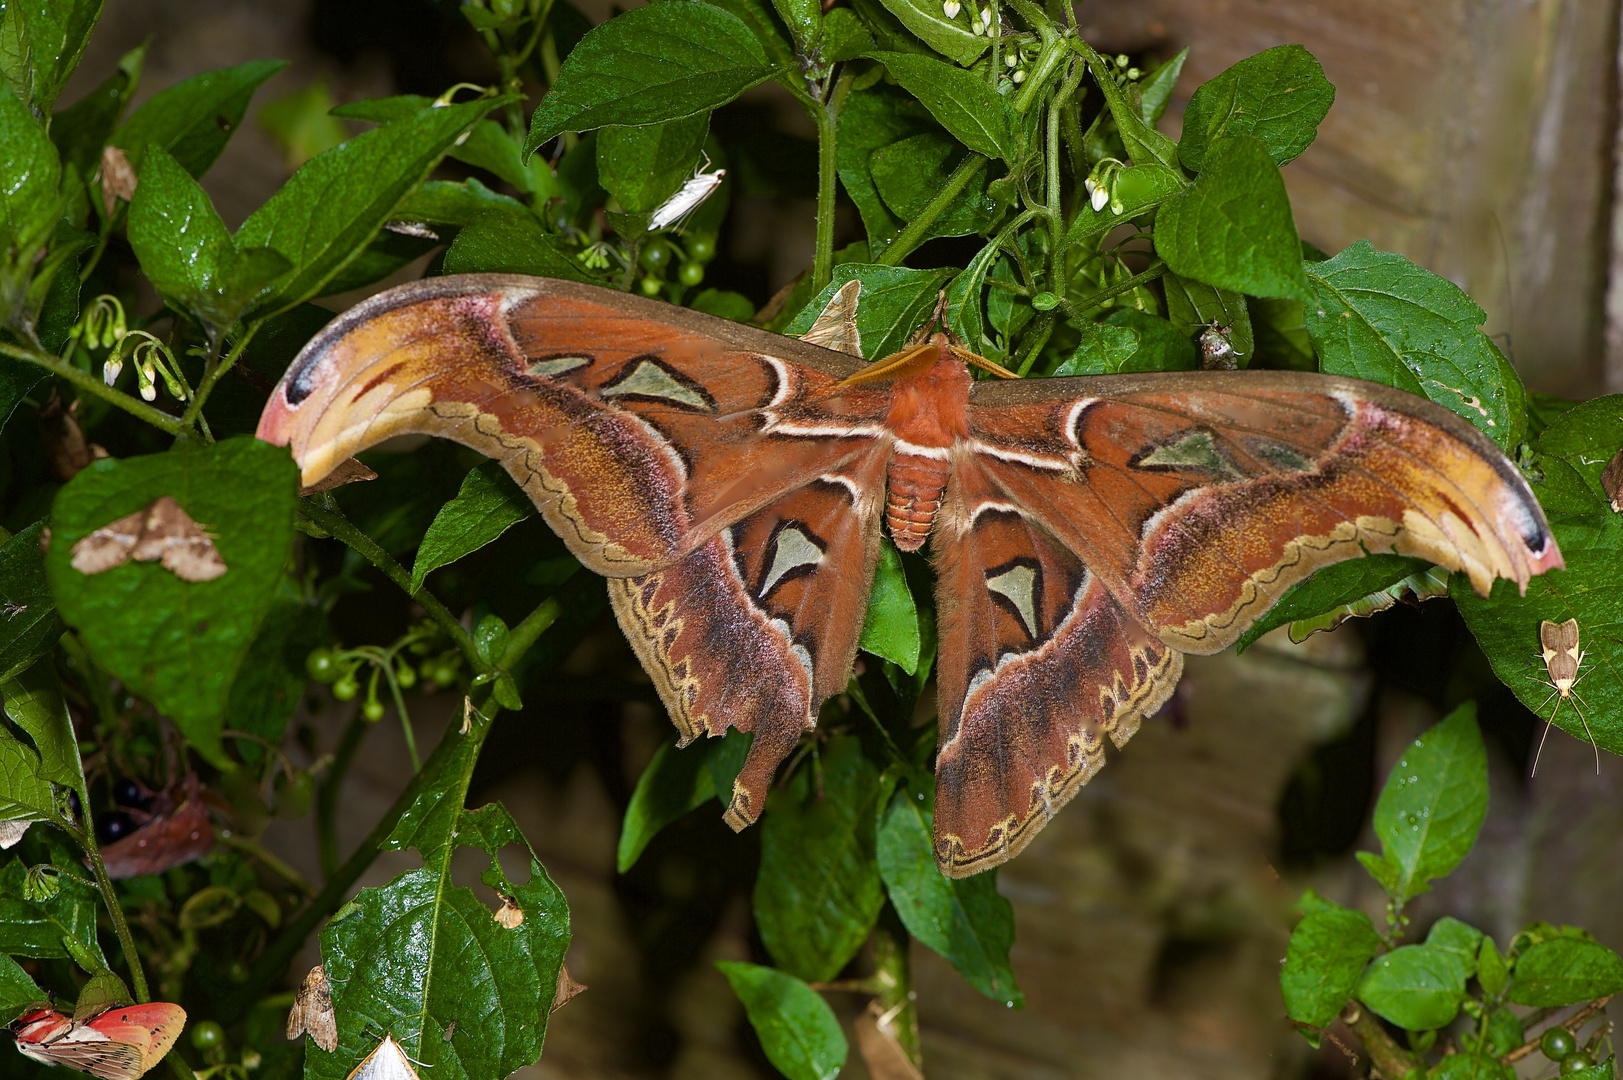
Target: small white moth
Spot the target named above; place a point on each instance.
(687, 198)
(387, 1062)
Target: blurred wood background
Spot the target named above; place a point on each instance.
(1474, 136)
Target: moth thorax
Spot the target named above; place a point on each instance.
(915, 485)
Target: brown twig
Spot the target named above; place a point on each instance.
(1387, 1058)
(1571, 1023)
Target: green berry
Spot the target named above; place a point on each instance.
(701, 248)
(651, 286)
(321, 665)
(346, 688)
(293, 797)
(237, 973)
(1558, 1043)
(372, 709)
(207, 1035)
(691, 274)
(1577, 1061)
(655, 256)
(406, 676)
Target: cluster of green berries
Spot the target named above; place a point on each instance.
(341, 670)
(1560, 1045)
(660, 254)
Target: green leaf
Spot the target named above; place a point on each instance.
(891, 627)
(1192, 306)
(725, 759)
(724, 304)
(17, 990)
(844, 36)
(1469, 1067)
(30, 173)
(57, 33)
(185, 249)
(675, 781)
(24, 794)
(644, 166)
(1491, 970)
(818, 891)
(40, 931)
(422, 954)
(1155, 89)
(1278, 96)
(764, 24)
(29, 626)
(83, 128)
(1144, 144)
(952, 38)
(962, 102)
(1565, 971)
(1461, 940)
(1130, 340)
(270, 682)
(894, 302)
(33, 700)
(175, 642)
(1233, 228)
(872, 119)
(1103, 349)
(649, 65)
(909, 173)
(1328, 952)
(1332, 587)
(194, 119)
(325, 214)
(965, 920)
(1375, 315)
(488, 505)
(503, 243)
(1418, 987)
(1433, 804)
(796, 1027)
(804, 18)
(444, 202)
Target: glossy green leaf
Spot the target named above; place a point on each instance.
(1418, 987)
(83, 128)
(644, 166)
(1193, 306)
(1278, 96)
(891, 627)
(962, 102)
(649, 65)
(725, 760)
(425, 958)
(24, 794)
(894, 302)
(1232, 228)
(965, 920)
(1332, 587)
(185, 249)
(796, 1027)
(675, 781)
(17, 990)
(195, 119)
(448, 203)
(818, 891)
(1375, 315)
(1491, 970)
(1433, 804)
(844, 36)
(1469, 1067)
(965, 302)
(952, 38)
(870, 120)
(325, 214)
(29, 626)
(503, 243)
(1325, 959)
(58, 31)
(724, 304)
(30, 173)
(1565, 971)
(1155, 89)
(487, 144)
(175, 642)
(34, 702)
(488, 505)
(39, 930)
(804, 18)
(910, 173)
(1103, 349)
(1460, 940)
(1130, 340)
(768, 30)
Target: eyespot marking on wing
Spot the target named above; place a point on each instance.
(553, 366)
(1195, 449)
(647, 378)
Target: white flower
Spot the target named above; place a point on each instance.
(1019, 76)
(951, 9)
(110, 371)
(1099, 197)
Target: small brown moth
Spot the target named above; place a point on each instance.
(1562, 658)
(568, 988)
(162, 533)
(1611, 481)
(312, 1011)
(1217, 352)
(349, 471)
(836, 327)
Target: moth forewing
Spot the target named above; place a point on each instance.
(836, 327)
(387, 1061)
(312, 1011)
(694, 191)
(1611, 481)
(1562, 658)
(108, 546)
(121, 1043)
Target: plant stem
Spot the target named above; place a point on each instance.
(893, 970)
(1390, 1059)
(274, 960)
(92, 385)
(918, 229)
(1571, 1023)
(1103, 296)
(87, 840)
(533, 625)
(211, 376)
(335, 523)
(327, 794)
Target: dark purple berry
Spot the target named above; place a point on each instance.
(114, 826)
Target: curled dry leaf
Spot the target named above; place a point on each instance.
(162, 533)
(511, 916)
(1611, 481)
(120, 1043)
(312, 1011)
(568, 988)
(881, 1051)
(117, 179)
(349, 471)
(177, 831)
(65, 444)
